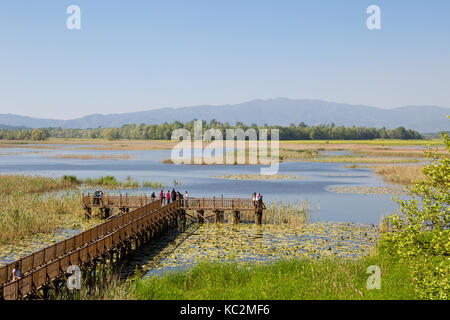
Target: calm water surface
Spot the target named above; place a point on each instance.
(199, 180)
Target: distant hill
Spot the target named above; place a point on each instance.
(5, 127)
(280, 111)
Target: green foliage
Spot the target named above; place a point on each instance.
(421, 232)
(112, 182)
(164, 132)
(153, 184)
(39, 134)
(108, 181)
(70, 179)
(111, 133)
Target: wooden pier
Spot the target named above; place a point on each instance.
(112, 240)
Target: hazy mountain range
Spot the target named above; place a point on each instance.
(280, 111)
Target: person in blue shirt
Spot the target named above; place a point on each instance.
(16, 272)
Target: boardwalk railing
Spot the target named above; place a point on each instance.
(116, 201)
(223, 204)
(42, 267)
(219, 203)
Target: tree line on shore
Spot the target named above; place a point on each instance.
(164, 132)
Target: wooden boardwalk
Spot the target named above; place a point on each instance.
(110, 241)
(115, 201)
(127, 202)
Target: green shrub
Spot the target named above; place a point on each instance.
(420, 234)
(70, 179)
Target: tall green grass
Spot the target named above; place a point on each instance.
(287, 280)
(293, 214)
(112, 182)
(26, 210)
(23, 215)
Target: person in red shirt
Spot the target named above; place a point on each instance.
(168, 197)
(161, 197)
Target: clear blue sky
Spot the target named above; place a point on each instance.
(138, 55)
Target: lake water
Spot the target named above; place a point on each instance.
(200, 182)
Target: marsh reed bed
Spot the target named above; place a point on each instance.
(28, 206)
(113, 183)
(23, 215)
(32, 184)
(289, 213)
(399, 174)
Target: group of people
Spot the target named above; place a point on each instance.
(97, 195)
(171, 196)
(257, 199)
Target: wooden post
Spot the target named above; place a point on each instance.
(183, 219)
(236, 217)
(88, 212)
(219, 216)
(200, 216)
(259, 217)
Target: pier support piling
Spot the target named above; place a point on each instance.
(236, 217)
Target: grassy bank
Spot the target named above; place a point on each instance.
(112, 183)
(258, 177)
(298, 155)
(296, 279)
(361, 159)
(89, 144)
(376, 142)
(92, 157)
(124, 144)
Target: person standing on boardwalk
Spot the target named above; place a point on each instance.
(168, 196)
(186, 199)
(15, 275)
(153, 196)
(254, 199)
(258, 196)
(161, 197)
(173, 195)
(97, 197)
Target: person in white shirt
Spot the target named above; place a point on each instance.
(186, 198)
